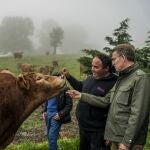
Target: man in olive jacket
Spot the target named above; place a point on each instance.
(129, 100)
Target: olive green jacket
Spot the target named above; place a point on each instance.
(129, 102)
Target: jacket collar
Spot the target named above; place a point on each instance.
(109, 77)
(128, 70)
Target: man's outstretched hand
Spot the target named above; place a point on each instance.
(65, 72)
(74, 94)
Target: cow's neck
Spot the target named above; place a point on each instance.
(31, 105)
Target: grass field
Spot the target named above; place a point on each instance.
(68, 61)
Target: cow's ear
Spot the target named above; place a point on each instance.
(23, 83)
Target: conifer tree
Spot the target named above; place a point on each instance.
(120, 36)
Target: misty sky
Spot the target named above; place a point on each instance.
(98, 17)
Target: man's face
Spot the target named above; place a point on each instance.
(98, 70)
(118, 61)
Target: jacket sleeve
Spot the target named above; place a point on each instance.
(68, 106)
(140, 107)
(97, 101)
(76, 84)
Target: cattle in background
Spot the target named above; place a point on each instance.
(24, 67)
(55, 63)
(18, 55)
(46, 70)
(20, 96)
(47, 53)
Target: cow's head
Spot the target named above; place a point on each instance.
(39, 83)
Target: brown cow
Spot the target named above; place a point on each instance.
(25, 67)
(46, 70)
(55, 63)
(18, 55)
(20, 96)
(47, 53)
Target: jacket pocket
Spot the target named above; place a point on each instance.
(123, 95)
(122, 109)
(122, 120)
(120, 130)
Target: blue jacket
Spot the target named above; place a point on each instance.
(64, 106)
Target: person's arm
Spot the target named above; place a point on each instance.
(140, 107)
(76, 84)
(96, 100)
(68, 105)
(91, 99)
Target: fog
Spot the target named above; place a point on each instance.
(96, 19)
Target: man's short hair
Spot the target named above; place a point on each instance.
(126, 50)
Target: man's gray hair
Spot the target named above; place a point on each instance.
(126, 50)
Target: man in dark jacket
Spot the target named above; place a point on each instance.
(92, 119)
(56, 111)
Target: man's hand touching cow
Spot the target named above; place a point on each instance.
(74, 94)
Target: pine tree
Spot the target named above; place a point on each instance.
(120, 36)
(143, 54)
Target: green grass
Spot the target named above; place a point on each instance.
(69, 144)
(63, 144)
(26, 145)
(68, 61)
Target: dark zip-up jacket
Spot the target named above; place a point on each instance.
(64, 106)
(89, 117)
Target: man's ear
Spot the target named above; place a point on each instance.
(23, 83)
